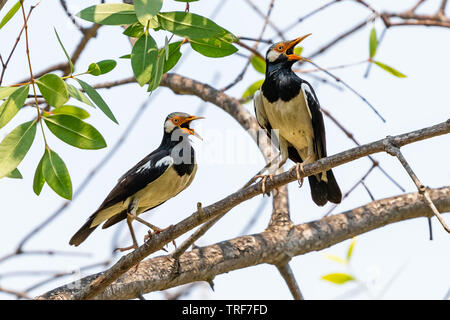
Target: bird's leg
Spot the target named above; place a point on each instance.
(260, 172)
(299, 172)
(131, 215)
(274, 164)
(155, 229)
(310, 157)
(263, 177)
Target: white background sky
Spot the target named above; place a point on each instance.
(420, 100)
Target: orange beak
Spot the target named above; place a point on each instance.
(190, 130)
(293, 43)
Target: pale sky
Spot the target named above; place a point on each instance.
(418, 101)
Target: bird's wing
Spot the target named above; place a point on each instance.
(144, 172)
(317, 119)
(260, 113)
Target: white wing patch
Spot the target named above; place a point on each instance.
(144, 167)
(305, 88)
(166, 161)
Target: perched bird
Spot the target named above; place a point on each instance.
(287, 104)
(155, 179)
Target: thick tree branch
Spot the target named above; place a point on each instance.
(158, 241)
(205, 263)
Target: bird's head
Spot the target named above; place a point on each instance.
(181, 121)
(282, 53)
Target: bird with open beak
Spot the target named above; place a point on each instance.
(288, 106)
(155, 179)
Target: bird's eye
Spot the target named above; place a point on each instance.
(280, 48)
(175, 120)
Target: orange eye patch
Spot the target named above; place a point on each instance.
(280, 47)
(176, 120)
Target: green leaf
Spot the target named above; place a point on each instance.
(77, 94)
(15, 146)
(252, 89)
(157, 72)
(75, 132)
(109, 14)
(10, 14)
(38, 180)
(12, 105)
(144, 58)
(298, 51)
(125, 56)
(212, 47)
(101, 67)
(65, 52)
(147, 9)
(350, 249)
(373, 43)
(56, 174)
(335, 258)
(173, 56)
(390, 69)
(15, 174)
(136, 30)
(259, 64)
(338, 278)
(186, 24)
(94, 69)
(5, 92)
(71, 110)
(97, 99)
(53, 89)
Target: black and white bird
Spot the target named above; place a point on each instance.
(288, 105)
(155, 179)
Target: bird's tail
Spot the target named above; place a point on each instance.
(83, 233)
(324, 191)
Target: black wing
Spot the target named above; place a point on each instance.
(316, 118)
(135, 179)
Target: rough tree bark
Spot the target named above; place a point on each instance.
(204, 263)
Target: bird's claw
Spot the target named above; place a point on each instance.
(263, 181)
(157, 231)
(299, 172)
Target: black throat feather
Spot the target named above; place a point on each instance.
(281, 82)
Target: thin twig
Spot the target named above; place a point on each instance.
(158, 241)
(289, 278)
(254, 49)
(18, 294)
(341, 37)
(349, 191)
(351, 89)
(315, 11)
(5, 64)
(261, 14)
(352, 137)
(394, 150)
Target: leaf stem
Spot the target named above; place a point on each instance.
(32, 81)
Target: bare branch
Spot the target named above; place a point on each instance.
(205, 263)
(289, 278)
(158, 241)
(393, 150)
